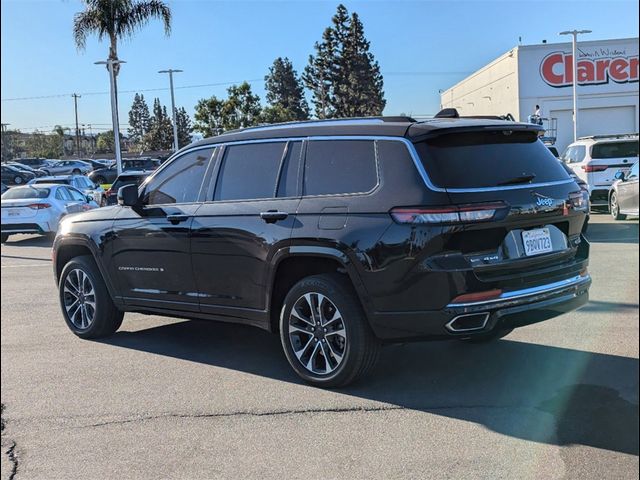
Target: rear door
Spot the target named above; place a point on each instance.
(248, 217)
(628, 192)
(151, 243)
(536, 215)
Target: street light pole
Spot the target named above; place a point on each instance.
(114, 110)
(75, 104)
(173, 106)
(574, 34)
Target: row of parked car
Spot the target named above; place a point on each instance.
(43, 191)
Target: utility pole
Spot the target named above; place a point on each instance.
(91, 139)
(5, 146)
(574, 34)
(114, 109)
(173, 106)
(75, 104)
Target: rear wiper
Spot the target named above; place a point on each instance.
(515, 180)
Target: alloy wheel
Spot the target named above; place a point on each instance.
(614, 205)
(317, 333)
(79, 299)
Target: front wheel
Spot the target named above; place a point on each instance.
(17, 180)
(614, 207)
(324, 332)
(86, 304)
(75, 171)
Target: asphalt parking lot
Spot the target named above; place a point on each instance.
(168, 398)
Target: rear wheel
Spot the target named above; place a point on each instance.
(18, 180)
(614, 207)
(324, 332)
(76, 171)
(86, 304)
(488, 337)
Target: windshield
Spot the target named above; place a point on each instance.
(614, 150)
(488, 159)
(25, 192)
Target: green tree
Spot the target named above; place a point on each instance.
(139, 120)
(116, 20)
(183, 123)
(343, 75)
(39, 144)
(208, 116)
(242, 109)
(105, 142)
(285, 94)
(160, 134)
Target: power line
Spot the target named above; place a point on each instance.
(218, 84)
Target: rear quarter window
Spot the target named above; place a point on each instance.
(488, 159)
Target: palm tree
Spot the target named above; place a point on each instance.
(117, 19)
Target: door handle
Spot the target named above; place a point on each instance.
(272, 216)
(177, 218)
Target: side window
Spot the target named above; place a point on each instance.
(63, 194)
(288, 183)
(180, 181)
(340, 167)
(579, 153)
(249, 171)
(76, 195)
(634, 171)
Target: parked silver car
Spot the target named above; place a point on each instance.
(79, 182)
(66, 167)
(623, 196)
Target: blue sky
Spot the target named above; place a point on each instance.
(422, 46)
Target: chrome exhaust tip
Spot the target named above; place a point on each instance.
(469, 322)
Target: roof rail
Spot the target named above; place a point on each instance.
(353, 120)
(613, 135)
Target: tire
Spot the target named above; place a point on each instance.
(100, 180)
(17, 180)
(614, 208)
(488, 337)
(106, 317)
(349, 355)
(75, 171)
(4, 237)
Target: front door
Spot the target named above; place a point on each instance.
(248, 217)
(628, 192)
(151, 243)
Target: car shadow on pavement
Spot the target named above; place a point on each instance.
(539, 393)
(613, 232)
(29, 241)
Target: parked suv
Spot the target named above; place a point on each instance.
(597, 160)
(339, 235)
(108, 175)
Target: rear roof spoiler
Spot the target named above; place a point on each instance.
(453, 113)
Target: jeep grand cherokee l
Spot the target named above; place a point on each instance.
(340, 236)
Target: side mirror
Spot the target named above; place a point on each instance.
(89, 198)
(128, 195)
(619, 176)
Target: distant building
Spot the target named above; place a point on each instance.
(531, 75)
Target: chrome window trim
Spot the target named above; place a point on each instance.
(529, 292)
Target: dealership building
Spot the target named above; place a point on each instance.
(530, 75)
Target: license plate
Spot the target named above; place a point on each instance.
(14, 213)
(537, 241)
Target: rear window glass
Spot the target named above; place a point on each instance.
(340, 167)
(26, 192)
(488, 159)
(122, 181)
(614, 150)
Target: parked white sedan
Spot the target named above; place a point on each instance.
(39, 208)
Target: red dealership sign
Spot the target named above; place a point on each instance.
(556, 69)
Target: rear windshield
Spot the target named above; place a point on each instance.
(488, 159)
(122, 181)
(614, 150)
(25, 192)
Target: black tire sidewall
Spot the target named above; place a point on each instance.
(354, 323)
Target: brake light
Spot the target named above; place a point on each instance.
(39, 206)
(450, 214)
(579, 200)
(478, 296)
(594, 168)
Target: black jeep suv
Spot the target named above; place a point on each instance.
(340, 235)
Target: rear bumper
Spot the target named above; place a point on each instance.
(512, 309)
(599, 197)
(36, 227)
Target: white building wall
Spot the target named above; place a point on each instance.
(518, 80)
(492, 90)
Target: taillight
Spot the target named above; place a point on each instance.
(579, 200)
(594, 168)
(39, 206)
(451, 214)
